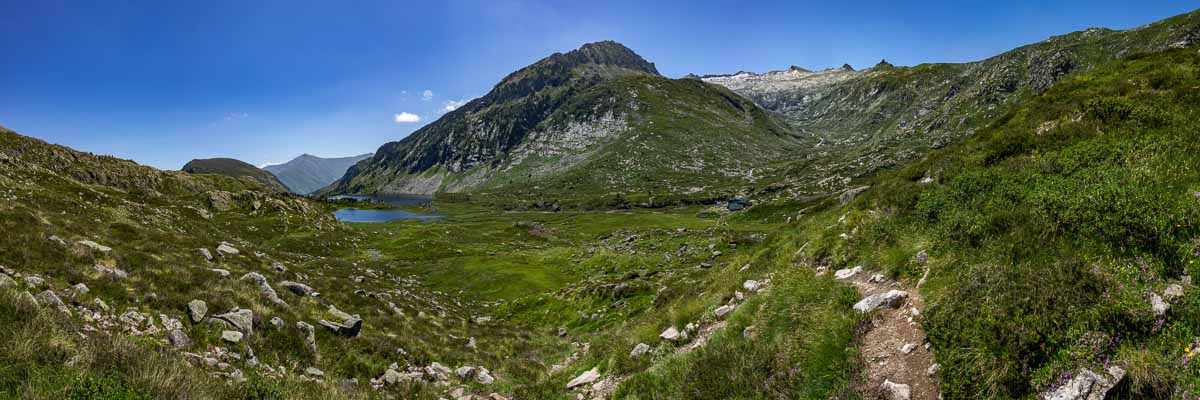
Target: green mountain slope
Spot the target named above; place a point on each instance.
(308, 173)
(234, 168)
(1051, 236)
(885, 115)
(595, 120)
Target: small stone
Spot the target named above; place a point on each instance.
(100, 305)
(264, 287)
(843, 274)
(437, 371)
(562, 331)
(226, 250)
(177, 338)
(892, 299)
(5, 281)
(484, 377)
(49, 299)
(933, 369)
(277, 322)
(1172, 292)
(895, 391)
(751, 286)
(197, 309)
(220, 272)
(207, 255)
(111, 273)
(81, 288)
(231, 336)
(464, 372)
(584, 378)
(34, 281)
(922, 258)
(722, 310)
(241, 319)
(310, 338)
(639, 350)
(95, 246)
(57, 240)
(279, 267)
(1158, 306)
(471, 344)
(671, 334)
(908, 348)
(311, 371)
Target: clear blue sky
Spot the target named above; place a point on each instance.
(162, 82)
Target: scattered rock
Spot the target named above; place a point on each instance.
(49, 299)
(843, 274)
(220, 272)
(311, 371)
(465, 372)
(81, 288)
(95, 246)
(231, 336)
(177, 338)
(671, 334)
(895, 391)
(722, 310)
(437, 371)
(585, 378)
(279, 267)
(111, 273)
(1172, 292)
(277, 322)
(751, 285)
(908, 348)
(350, 326)
(562, 331)
(471, 345)
(34, 281)
(264, 287)
(1159, 306)
(639, 350)
(197, 309)
(483, 376)
(1087, 385)
(892, 299)
(310, 338)
(241, 319)
(922, 258)
(57, 240)
(226, 250)
(933, 369)
(205, 253)
(5, 281)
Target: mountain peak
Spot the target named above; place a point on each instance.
(608, 52)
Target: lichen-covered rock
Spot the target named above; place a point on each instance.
(231, 336)
(197, 309)
(225, 249)
(1087, 385)
(264, 287)
(241, 319)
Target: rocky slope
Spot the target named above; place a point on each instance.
(234, 168)
(308, 173)
(596, 119)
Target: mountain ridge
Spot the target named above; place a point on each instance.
(235, 168)
(308, 173)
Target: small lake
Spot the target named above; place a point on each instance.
(373, 215)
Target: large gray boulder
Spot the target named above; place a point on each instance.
(891, 299)
(1087, 385)
(224, 249)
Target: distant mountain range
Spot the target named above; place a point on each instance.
(308, 173)
(234, 168)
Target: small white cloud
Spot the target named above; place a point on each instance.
(268, 164)
(406, 118)
(451, 105)
(427, 95)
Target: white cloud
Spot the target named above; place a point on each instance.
(427, 95)
(405, 118)
(451, 105)
(268, 164)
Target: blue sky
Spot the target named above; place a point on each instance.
(162, 82)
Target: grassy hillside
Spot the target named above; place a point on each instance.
(1050, 234)
(234, 168)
